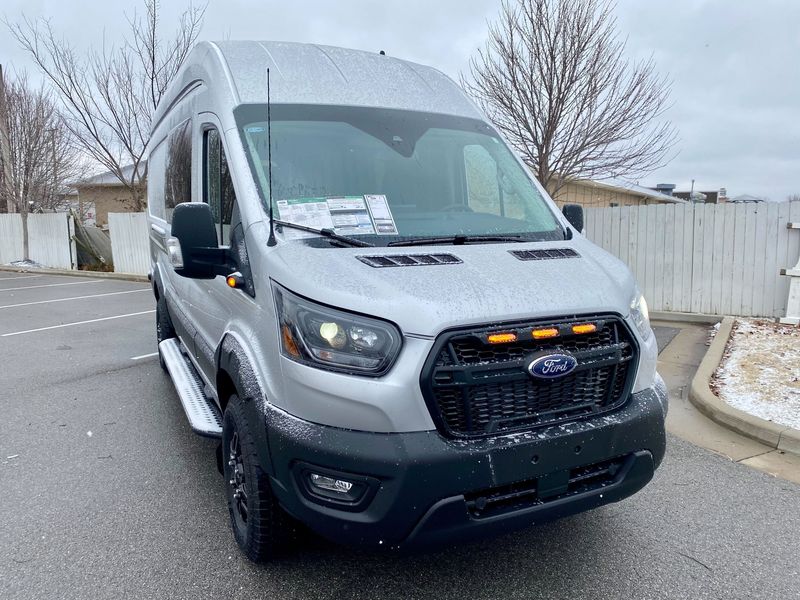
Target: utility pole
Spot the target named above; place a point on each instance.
(5, 148)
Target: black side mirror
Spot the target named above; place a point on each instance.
(574, 214)
(193, 248)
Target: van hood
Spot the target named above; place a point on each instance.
(490, 285)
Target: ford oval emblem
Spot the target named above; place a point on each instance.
(550, 366)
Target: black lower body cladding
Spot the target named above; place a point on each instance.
(422, 489)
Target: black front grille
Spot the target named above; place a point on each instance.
(474, 388)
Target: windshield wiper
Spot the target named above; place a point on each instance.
(328, 233)
(458, 240)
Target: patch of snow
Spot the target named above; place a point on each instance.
(760, 371)
(712, 333)
(28, 264)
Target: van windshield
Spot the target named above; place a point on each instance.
(392, 175)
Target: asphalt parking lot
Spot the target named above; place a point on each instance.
(106, 493)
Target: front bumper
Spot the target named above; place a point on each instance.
(425, 488)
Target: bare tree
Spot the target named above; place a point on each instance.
(793, 198)
(553, 78)
(40, 158)
(5, 149)
(109, 96)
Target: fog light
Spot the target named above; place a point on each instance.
(344, 491)
(330, 484)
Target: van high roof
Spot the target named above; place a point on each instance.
(315, 74)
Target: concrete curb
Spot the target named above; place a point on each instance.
(775, 436)
(682, 317)
(92, 274)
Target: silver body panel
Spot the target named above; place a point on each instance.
(490, 286)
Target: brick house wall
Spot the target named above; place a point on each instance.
(106, 199)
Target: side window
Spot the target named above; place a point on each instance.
(219, 192)
(178, 179)
(155, 181)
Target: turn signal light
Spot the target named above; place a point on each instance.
(502, 338)
(235, 280)
(541, 334)
(584, 328)
(288, 342)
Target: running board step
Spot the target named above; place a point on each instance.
(202, 413)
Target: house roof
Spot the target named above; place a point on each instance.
(632, 188)
(108, 178)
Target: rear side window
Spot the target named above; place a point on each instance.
(178, 178)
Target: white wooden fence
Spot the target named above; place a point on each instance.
(49, 239)
(10, 238)
(719, 259)
(129, 242)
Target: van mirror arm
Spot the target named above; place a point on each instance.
(219, 261)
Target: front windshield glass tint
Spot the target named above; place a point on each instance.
(440, 175)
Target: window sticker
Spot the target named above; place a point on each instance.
(311, 212)
(350, 215)
(381, 214)
(346, 215)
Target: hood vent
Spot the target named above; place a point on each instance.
(549, 254)
(409, 260)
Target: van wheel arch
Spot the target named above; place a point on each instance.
(236, 376)
(234, 369)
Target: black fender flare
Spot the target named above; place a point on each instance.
(234, 362)
(155, 282)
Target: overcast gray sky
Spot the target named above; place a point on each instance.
(734, 64)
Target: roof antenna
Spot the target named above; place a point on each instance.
(271, 241)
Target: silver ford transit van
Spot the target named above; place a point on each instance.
(398, 338)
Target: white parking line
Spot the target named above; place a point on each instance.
(73, 298)
(33, 287)
(20, 277)
(144, 312)
(144, 356)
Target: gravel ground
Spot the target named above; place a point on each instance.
(136, 509)
(760, 371)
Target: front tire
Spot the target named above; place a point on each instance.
(260, 526)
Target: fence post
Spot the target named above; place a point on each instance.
(793, 301)
(73, 249)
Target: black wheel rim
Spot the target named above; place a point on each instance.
(237, 482)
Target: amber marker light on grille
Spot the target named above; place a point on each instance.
(584, 328)
(541, 334)
(502, 338)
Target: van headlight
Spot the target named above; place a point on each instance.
(325, 337)
(641, 315)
